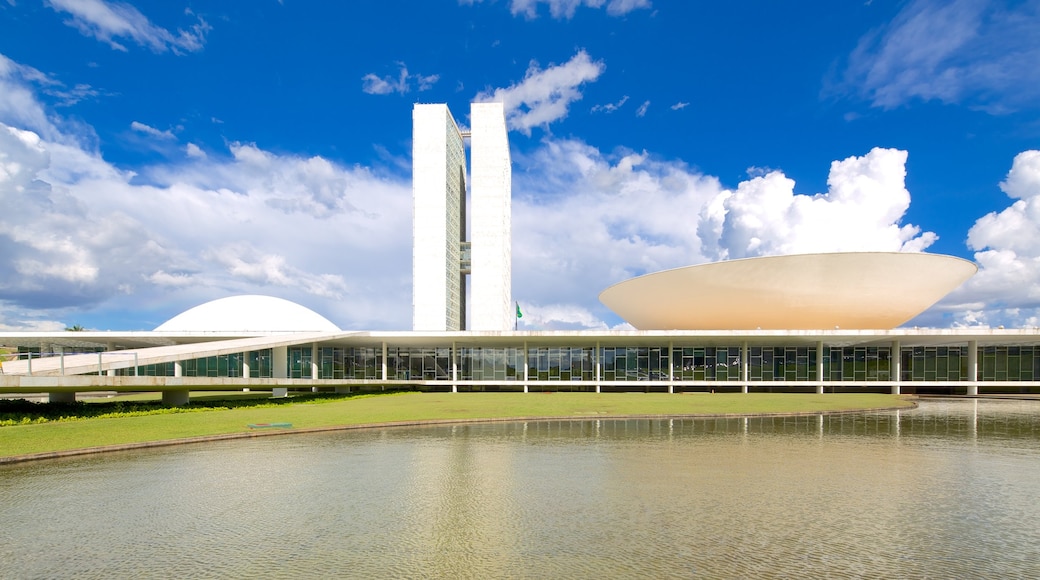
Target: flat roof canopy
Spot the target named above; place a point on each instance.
(860, 290)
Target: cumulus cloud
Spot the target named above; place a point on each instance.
(545, 95)
(584, 219)
(376, 85)
(861, 211)
(564, 317)
(79, 235)
(1006, 289)
(983, 53)
(109, 21)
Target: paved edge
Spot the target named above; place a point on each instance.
(415, 423)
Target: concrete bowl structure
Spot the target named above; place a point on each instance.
(248, 313)
(861, 290)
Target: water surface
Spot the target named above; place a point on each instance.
(949, 489)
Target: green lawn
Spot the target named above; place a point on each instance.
(61, 436)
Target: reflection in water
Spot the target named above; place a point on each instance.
(945, 490)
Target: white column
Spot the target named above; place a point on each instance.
(819, 366)
(599, 375)
(178, 368)
(384, 361)
(454, 368)
(245, 365)
(745, 367)
(314, 362)
(671, 387)
(973, 367)
(175, 398)
(896, 365)
(526, 367)
(280, 362)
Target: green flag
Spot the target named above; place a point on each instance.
(518, 313)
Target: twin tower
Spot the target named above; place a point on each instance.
(448, 248)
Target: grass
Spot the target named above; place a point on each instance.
(234, 416)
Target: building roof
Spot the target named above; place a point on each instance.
(248, 313)
(860, 290)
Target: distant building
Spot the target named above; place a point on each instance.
(446, 247)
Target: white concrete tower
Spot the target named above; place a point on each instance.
(438, 219)
(490, 220)
(442, 253)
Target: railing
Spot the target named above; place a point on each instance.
(29, 356)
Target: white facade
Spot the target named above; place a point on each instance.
(438, 202)
(490, 226)
(442, 255)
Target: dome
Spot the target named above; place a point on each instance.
(250, 313)
(860, 290)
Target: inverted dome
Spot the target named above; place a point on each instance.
(861, 290)
(249, 313)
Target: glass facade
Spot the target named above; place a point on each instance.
(706, 363)
(1009, 363)
(619, 365)
(490, 364)
(935, 363)
(226, 365)
(419, 364)
(561, 363)
(857, 363)
(791, 363)
(634, 363)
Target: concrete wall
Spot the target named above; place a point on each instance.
(491, 301)
(438, 190)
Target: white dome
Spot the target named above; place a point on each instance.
(250, 313)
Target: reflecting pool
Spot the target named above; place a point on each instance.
(946, 490)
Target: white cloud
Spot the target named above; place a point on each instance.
(19, 104)
(23, 324)
(583, 220)
(1007, 249)
(559, 317)
(610, 107)
(109, 21)
(861, 211)
(641, 111)
(193, 150)
(680, 106)
(566, 8)
(80, 235)
(982, 53)
(152, 131)
(376, 85)
(544, 96)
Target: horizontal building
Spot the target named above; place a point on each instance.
(898, 360)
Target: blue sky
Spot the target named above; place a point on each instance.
(154, 156)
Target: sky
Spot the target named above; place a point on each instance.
(158, 155)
